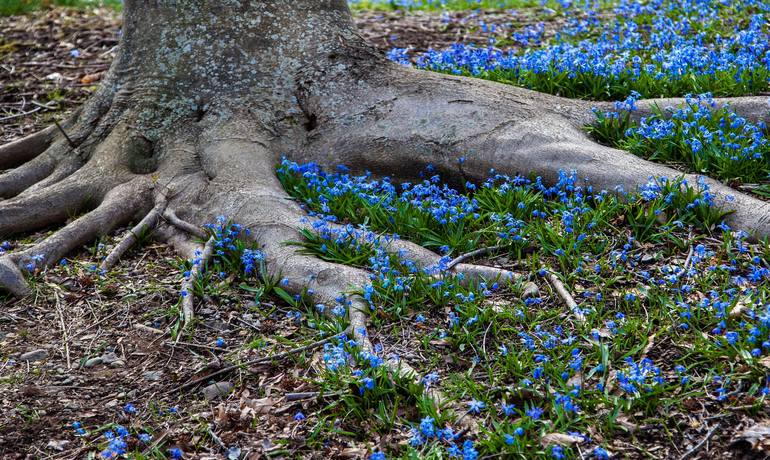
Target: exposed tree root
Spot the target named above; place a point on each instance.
(119, 206)
(23, 150)
(17, 180)
(170, 216)
(63, 170)
(202, 258)
(147, 224)
(565, 295)
(429, 260)
(52, 205)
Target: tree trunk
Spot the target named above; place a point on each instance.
(205, 97)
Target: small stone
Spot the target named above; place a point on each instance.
(93, 361)
(109, 358)
(34, 355)
(117, 363)
(57, 445)
(217, 390)
(648, 258)
(153, 376)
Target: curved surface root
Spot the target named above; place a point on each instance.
(23, 150)
(148, 223)
(429, 260)
(328, 283)
(169, 215)
(198, 265)
(17, 180)
(52, 205)
(119, 206)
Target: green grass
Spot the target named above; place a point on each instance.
(622, 257)
(706, 139)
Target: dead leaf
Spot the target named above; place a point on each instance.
(741, 306)
(91, 78)
(650, 344)
(497, 306)
(560, 439)
(253, 407)
(576, 380)
(221, 416)
(440, 343)
(353, 452)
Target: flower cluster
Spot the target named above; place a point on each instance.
(659, 48)
(573, 226)
(707, 137)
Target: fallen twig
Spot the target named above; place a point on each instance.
(194, 345)
(143, 327)
(688, 259)
(65, 339)
(300, 396)
(700, 444)
(64, 133)
(565, 296)
(217, 439)
(22, 114)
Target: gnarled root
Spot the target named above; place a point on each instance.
(23, 150)
(119, 206)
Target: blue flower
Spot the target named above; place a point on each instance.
(476, 406)
(534, 413)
